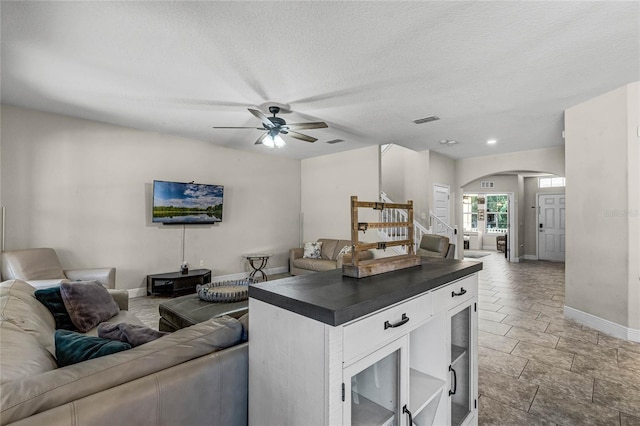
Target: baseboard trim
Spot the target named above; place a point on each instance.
(530, 257)
(601, 324)
(142, 291)
(137, 292)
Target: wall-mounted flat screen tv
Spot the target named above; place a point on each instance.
(177, 203)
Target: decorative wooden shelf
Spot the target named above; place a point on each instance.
(367, 268)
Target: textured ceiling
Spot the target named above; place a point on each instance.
(501, 70)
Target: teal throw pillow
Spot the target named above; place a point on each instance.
(72, 347)
(52, 299)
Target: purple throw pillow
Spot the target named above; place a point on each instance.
(88, 303)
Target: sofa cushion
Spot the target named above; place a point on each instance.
(19, 306)
(88, 303)
(22, 355)
(328, 248)
(52, 300)
(312, 250)
(317, 265)
(133, 334)
(72, 347)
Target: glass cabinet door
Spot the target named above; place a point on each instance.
(460, 367)
(375, 386)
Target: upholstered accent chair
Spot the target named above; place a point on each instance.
(432, 245)
(41, 268)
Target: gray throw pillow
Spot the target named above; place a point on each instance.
(244, 320)
(133, 334)
(88, 303)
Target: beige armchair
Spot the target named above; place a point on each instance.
(432, 245)
(41, 268)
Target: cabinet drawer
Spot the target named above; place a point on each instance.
(369, 333)
(455, 293)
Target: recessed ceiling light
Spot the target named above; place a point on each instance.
(448, 142)
(491, 141)
(426, 119)
(335, 141)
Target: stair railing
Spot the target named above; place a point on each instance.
(399, 233)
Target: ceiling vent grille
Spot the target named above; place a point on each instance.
(426, 119)
(486, 184)
(335, 141)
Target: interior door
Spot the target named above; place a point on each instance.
(551, 227)
(441, 206)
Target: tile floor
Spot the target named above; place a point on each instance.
(535, 367)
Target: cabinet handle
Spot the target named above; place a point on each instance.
(403, 321)
(455, 382)
(406, 411)
(462, 291)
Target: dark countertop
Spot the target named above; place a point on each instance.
(334, 299)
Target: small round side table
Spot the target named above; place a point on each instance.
(257, 263)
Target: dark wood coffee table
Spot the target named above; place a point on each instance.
(188, 310)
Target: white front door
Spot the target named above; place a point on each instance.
(441, 207)
(551, 227)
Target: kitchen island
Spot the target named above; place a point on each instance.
(394, 348)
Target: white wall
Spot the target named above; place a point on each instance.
(84, 188)
(410, 175)
(394, 163)
(442, 171)
(602, 221)
(327, 184)
(405, 176)
(548, 160)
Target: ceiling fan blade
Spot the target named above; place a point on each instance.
(261, 138)
(265, 120)
(257, 128)
(317, 125)
(335, 126)
(301, 136)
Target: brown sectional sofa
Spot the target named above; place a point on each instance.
(195, 376)
(298, 265)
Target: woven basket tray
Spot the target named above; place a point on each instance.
(225, 291)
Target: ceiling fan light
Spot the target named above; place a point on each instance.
(268, 141)
(278, 141)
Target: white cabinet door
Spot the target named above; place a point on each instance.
(463, 363)
(376, 387)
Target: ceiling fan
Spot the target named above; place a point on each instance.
(275, 126)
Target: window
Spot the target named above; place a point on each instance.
(497, 213)
(470, 212)
(551, 182)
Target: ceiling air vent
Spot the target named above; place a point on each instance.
(335, 141)
(426, 119)
(486, 184)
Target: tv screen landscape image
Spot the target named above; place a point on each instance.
(176, 203)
